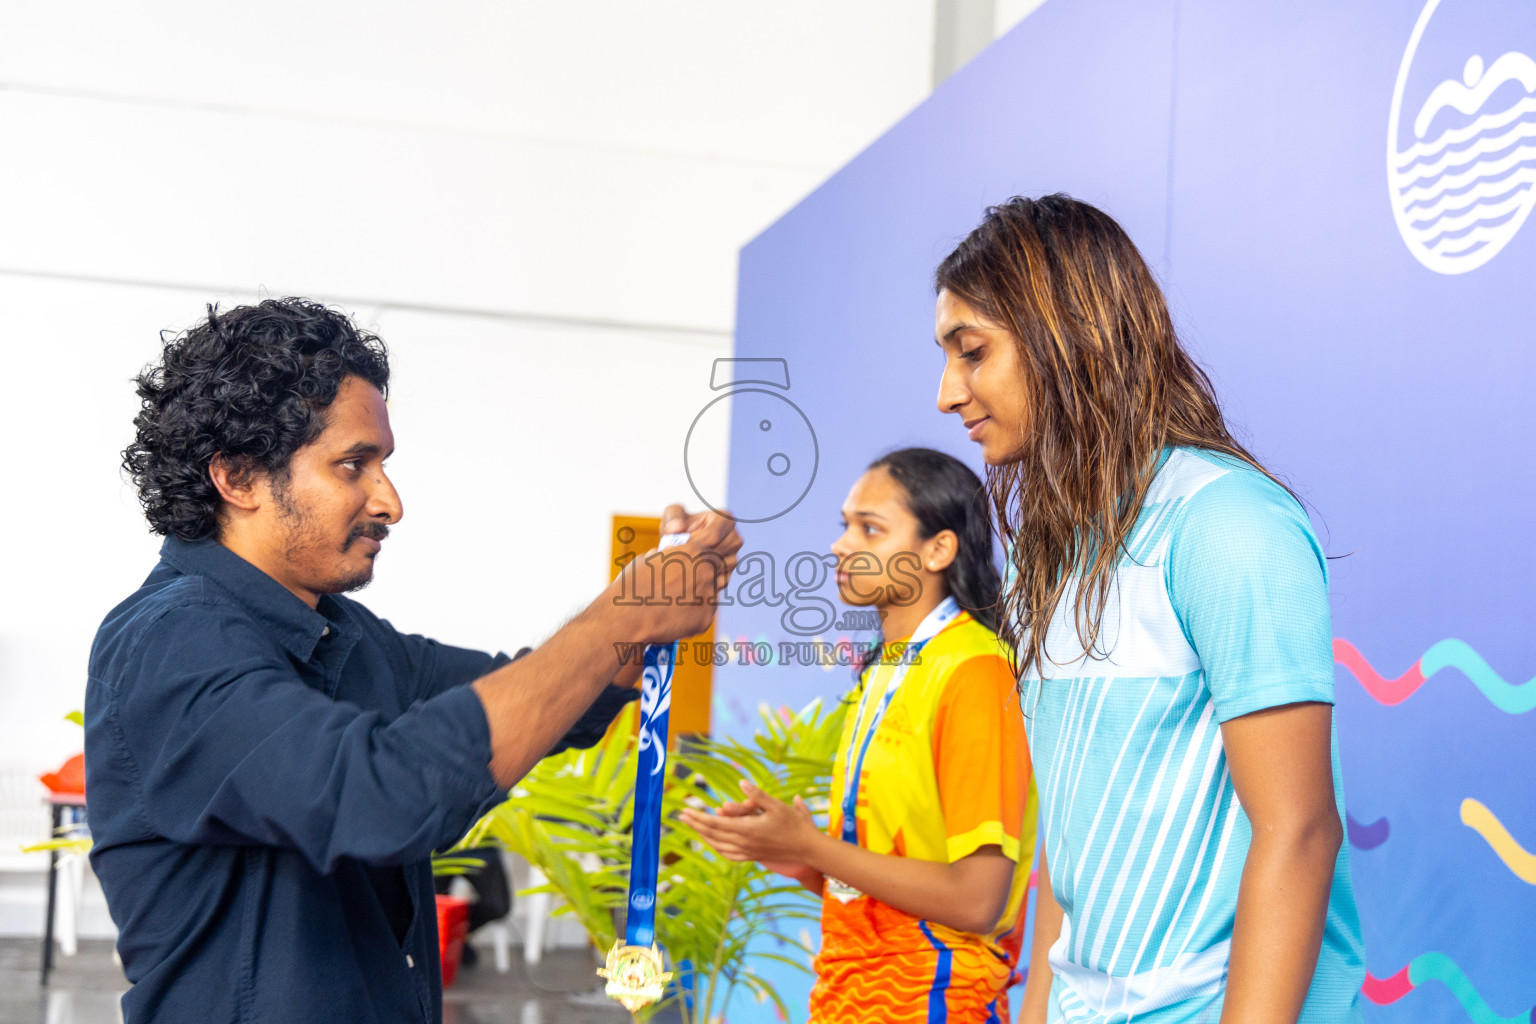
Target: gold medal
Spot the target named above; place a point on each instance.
(634, 974)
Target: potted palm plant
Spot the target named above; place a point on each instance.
(571, 818)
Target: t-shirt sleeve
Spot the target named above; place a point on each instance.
(1249, 584)
(981, 758)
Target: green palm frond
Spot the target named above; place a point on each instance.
(65, 844)
(571, 818)
(449, 866)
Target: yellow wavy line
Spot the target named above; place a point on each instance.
(1515, 857)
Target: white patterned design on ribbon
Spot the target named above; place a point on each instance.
(656, 700)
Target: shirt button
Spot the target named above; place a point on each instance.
(409, 960)
(326, 631)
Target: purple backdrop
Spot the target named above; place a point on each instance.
(1363, 294)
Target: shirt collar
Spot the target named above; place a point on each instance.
(296, 625)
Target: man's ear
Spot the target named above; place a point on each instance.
(236, 481)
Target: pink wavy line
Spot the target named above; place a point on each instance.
(1387, 691)
(1382, 991)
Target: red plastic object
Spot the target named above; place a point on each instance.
(452, 930)
(70, 778)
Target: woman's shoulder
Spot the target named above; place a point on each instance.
(965, 650)
(967, 635)
(1233, 514)
(1220, 492)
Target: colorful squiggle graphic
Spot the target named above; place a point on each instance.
(1510, 698)
(1515, 857)
(1441, 968)
(1366, 837)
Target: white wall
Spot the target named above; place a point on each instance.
(516, 443)
(538, 205)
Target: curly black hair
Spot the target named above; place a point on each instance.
(252, 383)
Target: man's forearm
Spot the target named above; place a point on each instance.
(532, 702)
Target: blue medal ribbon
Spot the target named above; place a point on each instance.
(853, 769)
(650, 779)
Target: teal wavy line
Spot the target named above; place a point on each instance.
(1441, 968)
(1511, 698)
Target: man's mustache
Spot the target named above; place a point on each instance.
(373, 531)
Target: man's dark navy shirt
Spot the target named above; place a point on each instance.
(266, 785)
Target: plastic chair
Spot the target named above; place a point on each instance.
(23, 818)
(66, 918)
(500, 931)
(531, 913)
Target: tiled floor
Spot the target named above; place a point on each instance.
(84, 989)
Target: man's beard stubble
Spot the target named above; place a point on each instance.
(303, 536)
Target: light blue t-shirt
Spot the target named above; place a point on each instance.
(1219, 609)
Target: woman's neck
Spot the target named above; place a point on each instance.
(898, 622)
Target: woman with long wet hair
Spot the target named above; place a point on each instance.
(1168, 605)
(925, 864)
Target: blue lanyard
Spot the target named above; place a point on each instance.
(853, 770)
(650, 779)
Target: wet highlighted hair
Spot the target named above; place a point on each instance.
(1109, 387)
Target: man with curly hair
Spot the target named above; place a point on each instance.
(269, 765)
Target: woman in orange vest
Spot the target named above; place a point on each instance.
(924, 866)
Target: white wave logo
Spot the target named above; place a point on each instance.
(1461, 195)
